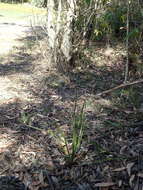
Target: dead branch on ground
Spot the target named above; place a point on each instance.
(120, 86)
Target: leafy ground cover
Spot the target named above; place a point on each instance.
(110, 155)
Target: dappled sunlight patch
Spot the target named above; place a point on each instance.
(108, 52)
(12, 91)
(6, 141)
(97, 106)
(26, 155)
(104, 55)
(32, 152)
(104, 102)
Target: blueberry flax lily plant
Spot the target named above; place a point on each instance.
(70, 147)
(78, 126)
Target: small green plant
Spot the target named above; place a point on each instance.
(25, 118)
(71, 146)
(77, 133)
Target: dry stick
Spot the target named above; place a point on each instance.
(120, 86)
(127, 43)
(36, 128)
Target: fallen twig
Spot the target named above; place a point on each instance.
(36, 128)
(120, 86)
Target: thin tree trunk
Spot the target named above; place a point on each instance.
(60, 32)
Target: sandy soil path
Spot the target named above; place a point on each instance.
(10, 32)
(14, 69)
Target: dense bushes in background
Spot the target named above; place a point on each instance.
(110, 20)
(103, 20)
(39, 3)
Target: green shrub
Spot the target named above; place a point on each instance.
(112, 22)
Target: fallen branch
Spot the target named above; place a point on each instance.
(120, 86)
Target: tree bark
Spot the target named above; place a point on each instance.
(60, 16)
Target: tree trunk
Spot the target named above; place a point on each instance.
(61, 14)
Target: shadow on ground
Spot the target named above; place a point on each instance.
(12, 67)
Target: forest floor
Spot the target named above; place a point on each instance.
(34, 95)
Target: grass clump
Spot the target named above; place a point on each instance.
(70, 147)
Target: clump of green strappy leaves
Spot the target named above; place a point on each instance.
(71, 146)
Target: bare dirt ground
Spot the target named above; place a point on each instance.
(12, 62)
(9, 34)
